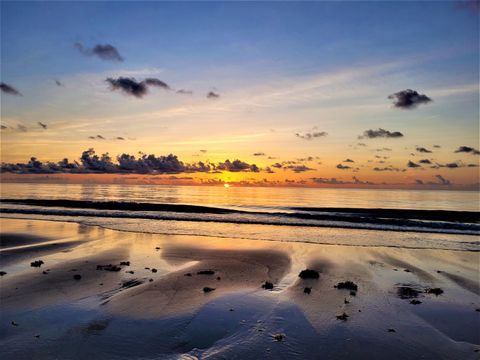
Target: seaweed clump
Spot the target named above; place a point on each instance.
(349, 285)
(309, 274)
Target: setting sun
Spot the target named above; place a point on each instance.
(226, 185)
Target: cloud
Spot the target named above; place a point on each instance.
(185, 92)
(422, 149)
(3, 127)
(8, 89)
(442, 180)
(22, 128)
(128, 86)
(361, 144)
(157, 82)
(259, 154)
(104, 52)
(312, 135)
(120, 138)
(437, 146)
(334, 181)
(42, 125)
(425, 161)
(348, 160)
(212, 95)
(388, 168)
(409, 99)
(277, 165)
(90, 162)
(411, 164)
(298, 168)
(467, 149)
(236, 166)
(343, 167)
(203, 151)
(58, 83)
(380, 133)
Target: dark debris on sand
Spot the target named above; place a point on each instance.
(349, 285)
(309, 274)
(187, 274)
(436, 291)
(415, 302)
(154, 270)
(343, 317)
(207, 289)
(77, 276)
(125, 263)
(268, 285)
(391, 330)
(37, 263)
(205, 272)
(3, 273)
(109, 267)
(307, 290)
(407, 292)
(131, 283)
(278, 337)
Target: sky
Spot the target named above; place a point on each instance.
(357, 94)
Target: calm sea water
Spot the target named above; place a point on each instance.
(245, 197)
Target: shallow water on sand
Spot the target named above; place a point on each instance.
(104, 316)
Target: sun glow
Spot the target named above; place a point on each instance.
(226, 185)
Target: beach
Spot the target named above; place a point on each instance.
(103, 293)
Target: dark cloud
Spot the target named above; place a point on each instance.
(469, 5)
(312, 135)
(22, 128)
(361, 144)
(236, 166)
(408, 99)
(3, 127)
(467, 149)
(185, 92)
(104, 52)
(442, 180)
(58, 83)
(422, 149)
(334, 181)
(425, 161)
(348, 160)
(90, 162)
(298, 168)
(129, 86)
(380, 133)
(42, 125)
(277, 165)
(212, 95)
(343, 167)
(437, 146)
(8, 89)
(259, 154)
(100, 137)
(411, 164)
(203, 151)
(387, 168)
(156, 82)
(120, 138)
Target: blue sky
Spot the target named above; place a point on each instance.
(279, 68)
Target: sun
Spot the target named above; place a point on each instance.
(226, 185)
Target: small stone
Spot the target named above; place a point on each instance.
(3, 273)
(14, 323)
(279, 337)
(125, 263)
(307, 290)
(154, 270)
(342, 317)
(77, 276)
(436, 291)
(415, 302)
(207, 289)
(391, 330)
(37, 263)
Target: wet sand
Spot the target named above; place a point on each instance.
(156, 306)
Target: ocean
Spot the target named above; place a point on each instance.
(412, 219)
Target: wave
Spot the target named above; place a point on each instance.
(437, 221)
